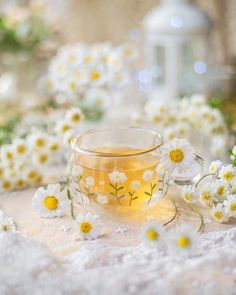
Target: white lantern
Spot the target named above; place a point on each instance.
(177, 49)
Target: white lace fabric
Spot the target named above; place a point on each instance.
(28, 267)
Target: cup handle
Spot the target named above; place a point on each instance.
(194, 179)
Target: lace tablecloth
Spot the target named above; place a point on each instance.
(44, 259)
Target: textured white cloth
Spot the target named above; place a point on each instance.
(28, 267)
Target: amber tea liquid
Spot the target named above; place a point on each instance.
(138, 169)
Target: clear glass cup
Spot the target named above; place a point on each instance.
(117, 169)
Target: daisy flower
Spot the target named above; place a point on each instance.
(67, 138)
(230, 206)
(38, 140)
(148, 175)
(128, 52)
(97, 76)
(117, 177)
(102, 199)
(63, 126)
(90, 181)
(135, 185)
(189, 194)
(31, 174)
(74, 115)
(218, 213)
(20, 147)
(228, 173)
(206, 197)
(215, 167)
(41, 158)
(7, 154)
(177, 154)
(5, 185)
(96, 98)
(50, 202)
(54, 145)
(88, 227)
(6, 224)
(220, 189)
(152, 234)
(183, 240)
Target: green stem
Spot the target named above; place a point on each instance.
(202, 224)
(175, 215)
(204, 176)
(69, 196)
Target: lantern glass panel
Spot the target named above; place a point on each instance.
(159, 68)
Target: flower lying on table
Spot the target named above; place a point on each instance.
(6, 223)
(88, 227)
(50, 202)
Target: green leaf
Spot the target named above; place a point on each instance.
(148, 194)
(112, 185)
(120, 188)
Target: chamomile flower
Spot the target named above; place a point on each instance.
(148, 175)
(37, 140)
(152, 234)
(177, 154)
(74, 115)
(102, 199)
(6, 224)
(88, 227)
(67, 138)
(20, 182)
(63, 126)
(189, 194)
(183, 240)
(41, 158)
(97, 99)
(128, 52)
(135, 184)
(50, 202)
(6, 185)
(20, 147)
(90, 181)
(215, 167)
(31, 174)
(228, 173)
(115, 61)
(169, 133)
(220, 189)
(230, 206)
(54, 145)
(7, 154)
(97, 76)
(117, 177)
(206, 197)
(218, 213)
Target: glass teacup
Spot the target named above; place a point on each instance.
(117, 168)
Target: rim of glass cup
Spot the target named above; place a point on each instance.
(76, 148)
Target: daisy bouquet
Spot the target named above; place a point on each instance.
(24, 160)
(23, 27)
(88, 74)
(189, 118)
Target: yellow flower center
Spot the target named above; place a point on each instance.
(228, 175)
(221, 190)
(233, 207)
(188, 197)
(54, 147)
(72, 85)
(206, 196)
(218, 215)
(43, 158)
(75, 118)
(183, 242)
(40, 142)
(85, 227)
(65, 128)
(6, 185)
(49, 85)
(156, 119)
(9, 155)
(21, 149)
(95, 76)
(51, 202)
(176, 155)
(4, 227)
(128, 52)
(32, 174)
(72, 58)
(88, 58)
(152, 235)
